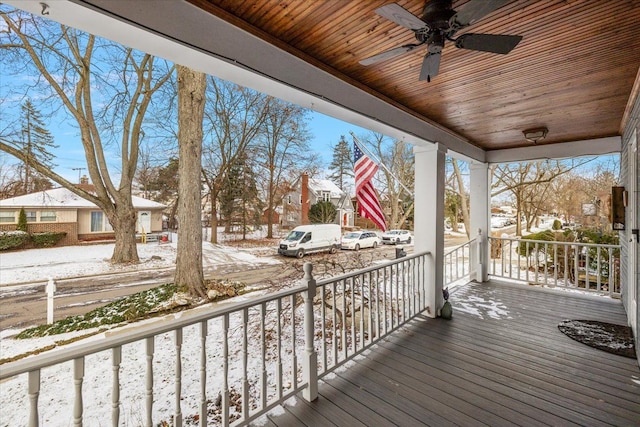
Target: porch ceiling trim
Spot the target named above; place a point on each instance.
(590, 147)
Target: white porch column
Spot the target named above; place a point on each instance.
(480, 203)
(429, 218)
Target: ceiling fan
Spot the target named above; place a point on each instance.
(440, 22)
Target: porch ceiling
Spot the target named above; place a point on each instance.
(573, 72)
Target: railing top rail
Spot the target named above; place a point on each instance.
(595, 245)
(369, 269)
(452, 250)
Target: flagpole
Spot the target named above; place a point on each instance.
(379, 162)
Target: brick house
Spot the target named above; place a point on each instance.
(308, 191)
(60, 210)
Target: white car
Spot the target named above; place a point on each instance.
(393, 237)
(357, 240)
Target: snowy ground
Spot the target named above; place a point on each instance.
(37, 265)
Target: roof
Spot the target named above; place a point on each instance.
(64, 198)
(322, 185)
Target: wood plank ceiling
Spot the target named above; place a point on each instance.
(573, 72)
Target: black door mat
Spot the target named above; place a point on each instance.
(616, 339)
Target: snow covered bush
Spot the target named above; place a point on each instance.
(12, 239)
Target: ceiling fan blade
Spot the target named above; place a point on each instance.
(388, 54)
(430, 66)
(401, 16)
(494, 43)
(475, 10)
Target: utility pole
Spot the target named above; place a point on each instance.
(79, 170)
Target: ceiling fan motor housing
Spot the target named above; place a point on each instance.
(437, 14)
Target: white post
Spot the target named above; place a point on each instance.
(479, 222)
(429, 224)
(50, 289)
(310, 367)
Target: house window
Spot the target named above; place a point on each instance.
(289, 199)
(300, 201)
(99, 222)
(7, 217)
(47, 216)
(31, 216)
(326, 196)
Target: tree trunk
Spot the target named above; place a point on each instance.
(189, 276)
(123, 221)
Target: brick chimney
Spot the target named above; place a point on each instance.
(304, 191)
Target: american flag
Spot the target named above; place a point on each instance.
(368, 203)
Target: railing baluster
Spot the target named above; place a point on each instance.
(385, 300)
(323, 320)
(555, 264)
(149, 347)
(334, 309)
(546, 263)
(567, 248)
(279, 314)
(245, 363)
(203, 373)
(116, 354)
(344, 320)
(263, 353)
(177, 418)
(294, 353)
(576, 266)
(352, 310)
(599, 270)
(225, 370)
(78, 377)
(34, 393)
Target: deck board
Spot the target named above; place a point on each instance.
(500, 361)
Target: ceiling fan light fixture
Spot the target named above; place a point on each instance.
(536, 134)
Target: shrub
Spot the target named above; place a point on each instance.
(46, 239)
(22, 221)
(557, 224)
(12, 239)
(525, 249)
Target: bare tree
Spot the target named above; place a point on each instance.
(529, 179)
(65, 59)
(189, 276)
(398, 174)
(233, 118)
(460, 188)
(283, 152)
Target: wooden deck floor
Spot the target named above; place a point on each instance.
(501, 361)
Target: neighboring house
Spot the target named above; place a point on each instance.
(60, 210)
(307, 192)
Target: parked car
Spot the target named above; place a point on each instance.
(357, 240)
(393, 237)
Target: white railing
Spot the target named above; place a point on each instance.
(583, 266)
(457, 262)
(222, 366)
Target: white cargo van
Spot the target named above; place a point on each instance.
(306, 239)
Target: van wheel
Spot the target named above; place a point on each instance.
(409, 240)
(333, 249)
(357, 247)
(375, 245)
(300, 253)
